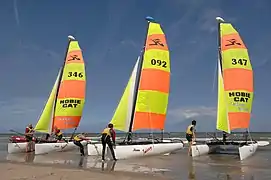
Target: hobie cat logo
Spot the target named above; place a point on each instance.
(156, 42)
(74, 57)
(233, 42)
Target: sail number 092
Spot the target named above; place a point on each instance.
(239, 61)
(158, 62)
(75, 74)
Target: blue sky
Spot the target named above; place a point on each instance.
(111, 34)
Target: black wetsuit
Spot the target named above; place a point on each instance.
(224, 137)
(77, 141)
(59, 137)
(106, 139)
(47, 136)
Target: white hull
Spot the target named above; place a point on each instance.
(16, 147)
(247, 150)
(133, 151)
(45, 148)
(243, 152)
(260, 143)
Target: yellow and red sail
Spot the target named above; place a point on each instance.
(235, 76)
(66, 102)
(70, 99)
(153, 91)
(144, 102)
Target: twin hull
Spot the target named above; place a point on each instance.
(132, 151)
(242, 151)
(43, 148)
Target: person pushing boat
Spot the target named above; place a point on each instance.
(77, 141)
(58, 133)
(191, 135)
(109, 134)
(29, 131)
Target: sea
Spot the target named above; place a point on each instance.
(175, 166)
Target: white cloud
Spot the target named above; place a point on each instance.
(191, 112)
(16, 13)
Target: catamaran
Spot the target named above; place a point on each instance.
(65, 104)
(145, 100)
(235, 96)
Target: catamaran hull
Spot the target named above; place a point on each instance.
(16, 147)
(45, 148)
(133, 151)
(242, 151)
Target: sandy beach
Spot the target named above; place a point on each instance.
(70, 165)
(16, 171)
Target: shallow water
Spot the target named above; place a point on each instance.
(175, 166)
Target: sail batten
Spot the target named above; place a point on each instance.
(237, 81)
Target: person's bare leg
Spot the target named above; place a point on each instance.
(189, 148)
(32, 146)
(27, 147)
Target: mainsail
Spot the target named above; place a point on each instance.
(145, 99)
(235, 80)
(66, 102)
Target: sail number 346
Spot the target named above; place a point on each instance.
(239, 61)
(75, 74)
(158, 62)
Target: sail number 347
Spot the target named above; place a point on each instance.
(75, 74)
(158, 62)
(239, 61)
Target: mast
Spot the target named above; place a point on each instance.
(220, 20)
(71, 38)
(129, 137)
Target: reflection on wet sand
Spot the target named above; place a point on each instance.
(24, 157)
(110, 165)
(82, 162)
(223, 166)
(191, 171)
(203, 167)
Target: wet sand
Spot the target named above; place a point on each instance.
(175, 166)
(16, 171)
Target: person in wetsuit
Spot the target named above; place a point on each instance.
(29, 131)
(58, 133)
(47, 136)
(108, 134)
(77, 141)
(190, 135)
(224, 137)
